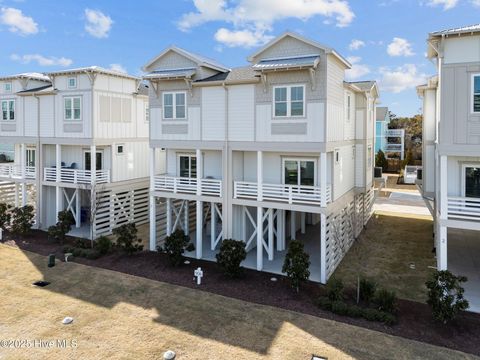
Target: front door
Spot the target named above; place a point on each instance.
(188, 166)
(30, 157)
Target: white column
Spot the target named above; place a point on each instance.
(199, 243)
(280, 233)
(186, 218)
(259, 238)
(58, 190)
(442, 249)
(22, 167)
(323, 179)
(443, 187)
(199, 156)
(293, 225)
(77, 208)
(303, 221)
(93, 163)
(244, 224)
(323, 249)
(213, 225)
(153, 210)
(270, 234)
(169, 217)
(260, 175)
(17, 200)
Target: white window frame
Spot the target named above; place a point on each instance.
(68, 82)
(189, 155)
(120, 152)
(289, 101)
(8, 101)
(72, 119)
(174, 105)
(464, 167)
(472, 108)
(336, 156)
(315, 168)
(9, 91)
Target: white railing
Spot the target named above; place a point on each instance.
(291, 194)
(463, 208)
(76, 176)
(393, 147)
(395, 133)
(12, 171)
(208, 187)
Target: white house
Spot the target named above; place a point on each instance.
(276, 150)
(58, 121)
(451, 147)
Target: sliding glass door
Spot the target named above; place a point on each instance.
(299, 172)
(471, 181)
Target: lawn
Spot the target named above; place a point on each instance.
(386, 250)
(120, 316)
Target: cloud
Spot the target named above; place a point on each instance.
(252, 20)
(356, 44)
(118, 68)
(17, 22)
(447, 4)
(401, 78)
(400, 47)
(98, 24)
(42, 60)
(475, 3)
(242, 38)
(358, 70)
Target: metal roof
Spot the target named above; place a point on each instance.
(30, 75)
(171, 74)
(285, 63)
(96, 69)
(460, 30)
(45, 88)
(240, 74)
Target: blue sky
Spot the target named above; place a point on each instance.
(389, 46)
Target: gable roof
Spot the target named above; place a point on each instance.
(313, 43)
(365, 86)
(457, 31)
(198, 59)
(31, 76)
(244, 74)
(96, 69)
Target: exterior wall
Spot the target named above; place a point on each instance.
(344, 171)
(132, 163)
(287, 46)
(454, 173)
(212, 162)
(429, 138)
(336, 125)
(241, 113)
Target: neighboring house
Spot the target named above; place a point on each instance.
(276, 150)
(451, 143)
(384, 135)
(56, 122)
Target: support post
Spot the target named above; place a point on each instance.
(93, 163)
(259, 175)
(259, 238)
(323, 249)
(58, 170)
(199, 171)
(77, 208)
(270, 234)
(442, 249)
(443, 187)
(293, 225)
(323, 179)
(186, 218)
(280, 234)
(169, 217)
(199, 242)
(22, 167)
(303, 222)
(152, 205)
(17, 200)
(213, 225)
(244, 224)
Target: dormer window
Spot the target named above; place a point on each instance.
(289, 101)
(72, 82)
(174, 105)
(476, 93)
(7, 87)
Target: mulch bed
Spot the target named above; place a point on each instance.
(414, 319)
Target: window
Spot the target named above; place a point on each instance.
(188, 166)
(7, 87)
(174, 105)
(299, 172)
(476, 93)
(337, 157)
(30, 157)
(8, 110)
(471, 180)
(88, 161)
(289, 101)
(120, 149)
(72, 82)
(72, 108)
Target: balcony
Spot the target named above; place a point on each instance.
(393, 147)
(463, 208)
(290, 194)
(17, 172)
(76, 176)
(183, 185)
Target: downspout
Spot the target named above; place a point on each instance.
(227, 182)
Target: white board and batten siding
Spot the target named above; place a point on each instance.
(241, 113)
(335, 100)
(213, 113)
(178, 129)
(344, 171)
(131, 164)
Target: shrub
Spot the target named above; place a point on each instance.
(59, 231)
(445, 295)
(367, 290)
(175, 245)
(296, 264)
(103, 245)
(381, 160)
(22, 220)
(5, 215)
(91, 254)
(335, 289)
(385, 300)
(127, 239)
(231, 255)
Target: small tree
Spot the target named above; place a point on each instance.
(175, 245)
(445, 295)
(22, 220)
(127, 238)
(408, 159)
(5, 216)
(232, 253)
(64, 224)
(296, 264)
(381, 160)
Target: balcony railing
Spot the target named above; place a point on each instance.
(12, 171)
(393, 147)
(76, 176)
(183, 185)
(463, 208)
(291, 194)
(395, 133)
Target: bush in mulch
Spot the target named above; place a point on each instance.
(231, 254)
(127, 239)
(104, 245)
(22, 220)
(59, 231)
(5, 215)
(296, 264)
(175, 245)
